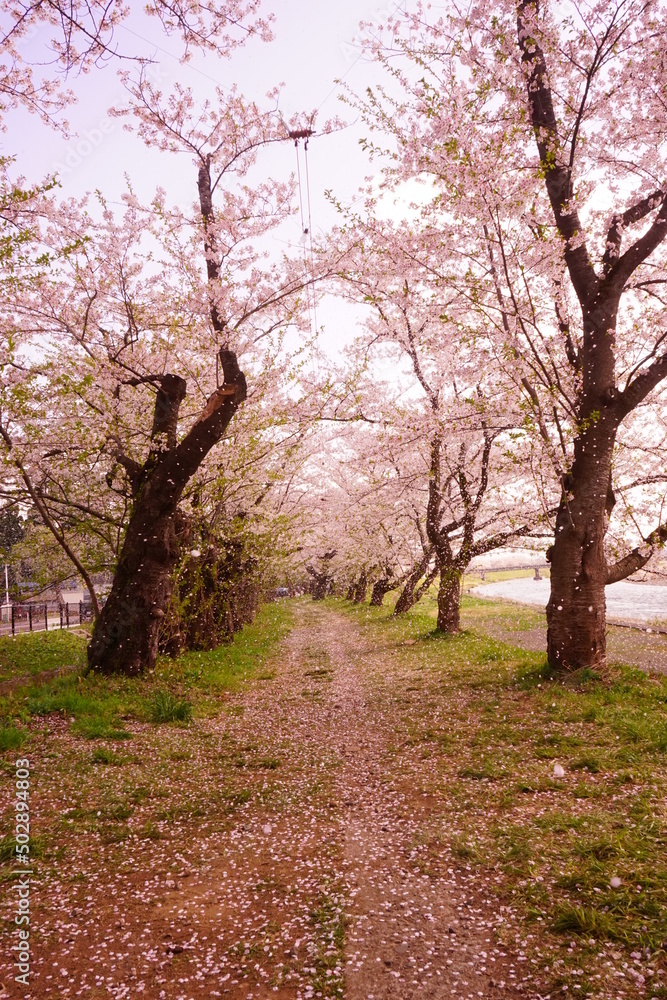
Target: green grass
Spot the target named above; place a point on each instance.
(474, 577)
(11, 737)
(551, 845)
(34, 652)
(101, 755)
(166, 708)
(98, 707)
(141, 776)
(482, 613)
(329, 923)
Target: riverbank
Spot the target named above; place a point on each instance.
(628, 603)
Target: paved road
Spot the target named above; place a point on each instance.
(634, 646)
(627, 602)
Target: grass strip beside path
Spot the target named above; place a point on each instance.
(493, 722)
(53, 722)
(99, 707)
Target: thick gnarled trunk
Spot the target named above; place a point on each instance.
(320, 586)
(449, 599)
(576, 620)
(380, 590)
(407, 598)
(361, 589)
(125, 635)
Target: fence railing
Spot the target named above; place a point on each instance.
(18, 618)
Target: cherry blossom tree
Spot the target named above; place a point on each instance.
(357, 525)
(537, 133)
(82, 35)
(126, 305)
(456, 436)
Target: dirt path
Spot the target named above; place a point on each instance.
(326, 879)
(411, 933)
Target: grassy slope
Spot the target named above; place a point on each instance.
(98, 704)
(34, 652)
(548, 846)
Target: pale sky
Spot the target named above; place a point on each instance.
(314, 44)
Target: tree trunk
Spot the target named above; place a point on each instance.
(125, 638)
(449, 599)
(349, 595)
(576, 612)
(361, 589)
(380, 589)
(125, 635)
(425, 584)
(406, 598)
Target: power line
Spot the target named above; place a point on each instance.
(166, 52)
(397, 6)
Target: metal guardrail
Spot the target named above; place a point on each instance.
(19, 618)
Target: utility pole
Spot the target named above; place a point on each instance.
(7, 602)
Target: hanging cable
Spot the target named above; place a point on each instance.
(310, 229)
(306, 230)
(298, 174)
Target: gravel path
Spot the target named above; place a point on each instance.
(411, 934)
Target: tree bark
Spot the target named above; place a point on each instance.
(426, 583)
(125, 636)
(451, 566)
(449, 599)
(361, 589)
(319, 584)
(576, 612)
(406, 598)
(379, 591)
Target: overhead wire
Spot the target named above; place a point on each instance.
(398, 5)
(310, 230)
(306, 230)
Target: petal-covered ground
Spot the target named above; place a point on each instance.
(301, 843)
